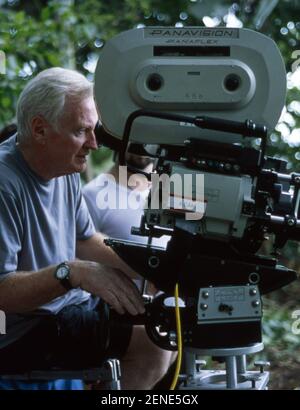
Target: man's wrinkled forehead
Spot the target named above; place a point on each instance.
(81, 111)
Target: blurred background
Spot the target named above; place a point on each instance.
(71, 33)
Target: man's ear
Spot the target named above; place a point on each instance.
(39, 128)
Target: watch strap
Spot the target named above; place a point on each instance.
(65, 281)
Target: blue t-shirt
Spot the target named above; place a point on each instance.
(40, 222)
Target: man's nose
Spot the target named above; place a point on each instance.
(91, 142)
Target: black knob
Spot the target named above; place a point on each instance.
(232, 82)
(154, 82)
(223, 307)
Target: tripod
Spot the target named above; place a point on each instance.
(235, 375)
(233, 306)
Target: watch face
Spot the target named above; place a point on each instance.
(62, 272)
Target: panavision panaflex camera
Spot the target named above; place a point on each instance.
(201, 102)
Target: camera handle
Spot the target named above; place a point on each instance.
(247, 128)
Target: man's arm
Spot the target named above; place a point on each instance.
(94, 249)
(25, 291)
(22, 292)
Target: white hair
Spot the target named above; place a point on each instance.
(45, 95)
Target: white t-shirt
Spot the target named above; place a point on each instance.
(115, 209)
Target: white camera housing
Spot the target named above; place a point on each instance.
(228, 73)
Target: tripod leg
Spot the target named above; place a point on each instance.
(241, 364)
(231, 372)
(190, 368)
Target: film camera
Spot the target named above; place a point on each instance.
(201, 101)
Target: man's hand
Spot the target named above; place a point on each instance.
(113, 286)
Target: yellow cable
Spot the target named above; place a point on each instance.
(179, 339)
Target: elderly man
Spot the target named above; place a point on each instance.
(51, 259)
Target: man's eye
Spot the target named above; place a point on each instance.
(81, 131)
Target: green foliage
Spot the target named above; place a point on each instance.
(42, 34)
(277, 330)
(38, 35)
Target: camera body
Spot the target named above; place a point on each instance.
(200, 102)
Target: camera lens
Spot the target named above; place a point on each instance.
(232, 82)
(154, 82)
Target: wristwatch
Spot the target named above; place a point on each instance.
(62, 273)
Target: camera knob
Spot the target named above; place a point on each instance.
(154, 82)
(261, 364)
